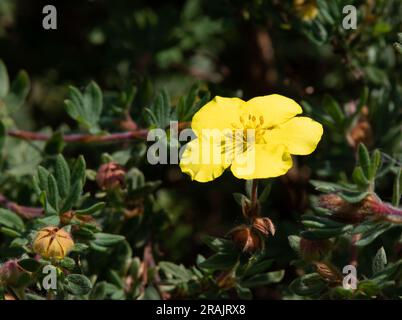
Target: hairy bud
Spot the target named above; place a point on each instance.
(10, 273)
(110, 176)
(328, 272)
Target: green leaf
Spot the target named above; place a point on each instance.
(308, 284)
(62, 173)
(359, 178)
(78, 284)
(372, 232)
(4, 80)
(244, 293)
(364, 160)
(265, 192)
(67, 263)
(78, 171)
(92, 209)
(353, 197)
(106, 239)
(73, 196)
(85, 108)
(43, 178)
(334, 110)
(218, 244)
(11, 220)
(379, 261)
(30, 265)
(375, 163)
(397, 188)
(178, 272)
(160, 111)
(219, 261)
(53, 192)
(18, 92)
(2, 135)
(294, 242)
(263, 279)
(258, 267)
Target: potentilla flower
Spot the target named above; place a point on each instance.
(254, 138)
(306, 9)
(53, 243)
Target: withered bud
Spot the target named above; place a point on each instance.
(110, 175)
(314, 250)
(10, 273)
(66, 217)
(246, 239)
(328, 272)
(264, 225)
(361, 131)
(134, 209)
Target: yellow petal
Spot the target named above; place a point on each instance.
(220, 113)
(274, 109)
(204, 160)
(261, 161)
(300, 135)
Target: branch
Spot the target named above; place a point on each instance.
(111, 137)
(25, 212)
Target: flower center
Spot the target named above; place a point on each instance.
(251, 122)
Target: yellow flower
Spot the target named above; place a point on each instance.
(53, 243)
(306, 9)
(255, 138)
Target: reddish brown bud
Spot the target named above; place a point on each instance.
(110, 176)
(343, 211)
(264, 225)
(357, 212)
(361, 132)
(134, 209)
(10, 273)
(246, 239)
(328, 272)
(314, 250)
(66, 217)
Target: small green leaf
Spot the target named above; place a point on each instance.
(78, 284)
(334, 110)
(294, 242)
(364, 160)
(308, 284)
(106, 239)
(397, 188)
(73, 196)
(53, 192)
(219, 261)
(11, 220)
(375, 163)
(379, 261)
(62, 175)
(263, 279)
(4, 80)
(92, 209)
(359, 178)
(78, 171)
(18, 92)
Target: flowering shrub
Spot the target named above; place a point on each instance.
(219, 153)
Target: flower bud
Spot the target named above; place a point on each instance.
(343, 211)
(314, 250)
(264, 225)
(10, 273)
(328, 272)
(110, 175)
(66, 217)
(53, 243)
(246, 239)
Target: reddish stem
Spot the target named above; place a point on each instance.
(79, 137)
(26, 212)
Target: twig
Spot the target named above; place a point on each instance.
(79, 137)
(23, 211)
